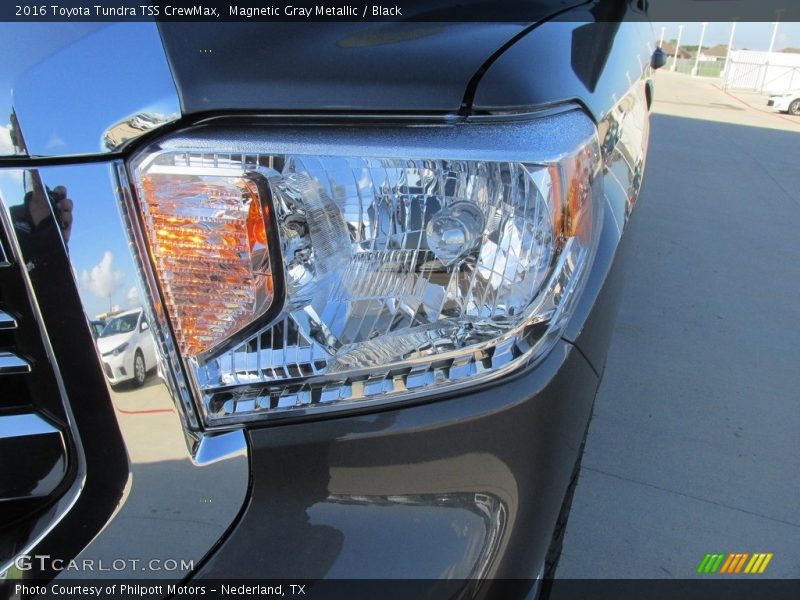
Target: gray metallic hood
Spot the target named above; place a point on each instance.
(69, 89)
(328, 66)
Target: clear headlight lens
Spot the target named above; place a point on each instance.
(395, 276)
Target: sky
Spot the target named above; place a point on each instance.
(750, 36)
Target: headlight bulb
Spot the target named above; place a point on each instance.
(454, 231)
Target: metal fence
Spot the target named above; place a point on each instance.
(763, 72)
(762, 77)
(747, 70)
(745, 75)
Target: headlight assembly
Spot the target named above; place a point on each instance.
(118, 350)
(315, 269)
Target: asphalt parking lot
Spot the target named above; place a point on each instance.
(694, 447)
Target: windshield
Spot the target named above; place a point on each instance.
(97, 327)
(123, 324)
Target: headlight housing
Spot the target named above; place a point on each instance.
(298, 278)
(120, 349)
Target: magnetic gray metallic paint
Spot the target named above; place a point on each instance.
(516, 441)
(497, 139)
(334, 66)
(529, 426)
(438, 446)
(623, 133)
(595, 64)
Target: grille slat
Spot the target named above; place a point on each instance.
(7, 321)
(11, 364)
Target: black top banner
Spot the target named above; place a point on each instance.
(399, 10)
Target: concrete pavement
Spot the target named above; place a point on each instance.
(704, 98)
(695, 442)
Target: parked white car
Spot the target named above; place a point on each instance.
(127, 348)
(788, 102)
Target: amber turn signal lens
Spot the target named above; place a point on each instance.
(208, 242)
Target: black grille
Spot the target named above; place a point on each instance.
(32, 410)
(27, 380)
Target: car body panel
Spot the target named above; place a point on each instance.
(594, 63)
(783, 101)
(511, 447)
(470, 483)
(336, 66)
(101, 77)
(119, 366)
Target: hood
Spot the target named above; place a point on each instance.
(331, 66)
(107, 344)
(135, 76)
